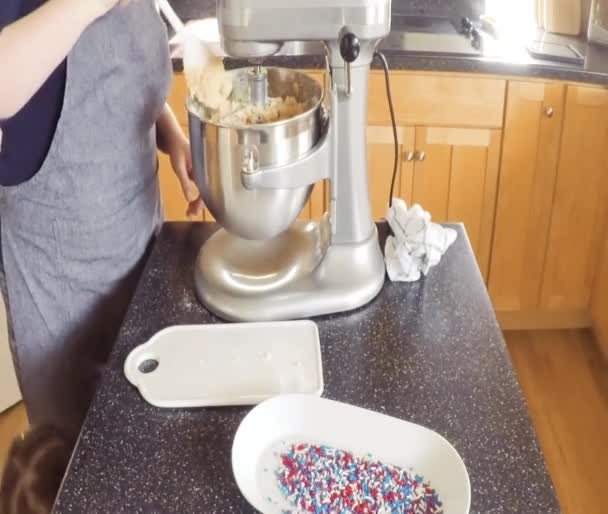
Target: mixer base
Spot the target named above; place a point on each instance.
(297, 274)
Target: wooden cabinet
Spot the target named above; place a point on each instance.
(455, 179)
(522, 163)
(451, 172)
(448, 156)
(530, 150)
(599, 301)
(580, 204)
(552, 205)
(174, 204)
(380, 164)
(437, 99)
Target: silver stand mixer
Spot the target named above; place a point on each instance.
(262, 265)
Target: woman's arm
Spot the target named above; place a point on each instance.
(172, 141)
(168, 130)
(33, 47)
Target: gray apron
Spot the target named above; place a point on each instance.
(73, 236)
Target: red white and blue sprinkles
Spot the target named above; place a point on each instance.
(326, 480)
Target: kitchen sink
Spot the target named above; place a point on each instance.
(424, 43)
(430, 35)
(426, 24)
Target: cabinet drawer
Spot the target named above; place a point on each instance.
(437, 100)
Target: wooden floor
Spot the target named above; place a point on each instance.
(565, 381)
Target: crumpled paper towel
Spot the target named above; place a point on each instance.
(418, 244)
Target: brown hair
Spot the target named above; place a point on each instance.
(35, 467)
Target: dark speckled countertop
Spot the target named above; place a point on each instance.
(500, 59)
(429, 352)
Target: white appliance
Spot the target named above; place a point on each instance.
(598, 22)
(9, 389)
(264, 265)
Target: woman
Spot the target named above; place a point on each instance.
(83, 85)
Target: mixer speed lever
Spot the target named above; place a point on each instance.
(349, 50)
(349, 47)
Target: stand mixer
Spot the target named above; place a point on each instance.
(264, 265)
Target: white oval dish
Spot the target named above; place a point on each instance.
(227, 364)
(281, 421)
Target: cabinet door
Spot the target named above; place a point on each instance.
(599, 301)
(437, 99)
(455, 179)
(380, 164)
(581, 202)
(525, 194)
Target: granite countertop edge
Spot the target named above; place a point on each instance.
(413, 62)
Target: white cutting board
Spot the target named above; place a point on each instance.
(270, 428)
(227, 364)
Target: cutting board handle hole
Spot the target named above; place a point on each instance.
(148, 366)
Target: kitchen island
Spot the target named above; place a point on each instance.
(429, 352)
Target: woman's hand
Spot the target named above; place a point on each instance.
(172, 141)
(181, 162)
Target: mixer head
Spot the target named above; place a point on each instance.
(258, 28)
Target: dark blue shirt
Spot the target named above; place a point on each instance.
(27, 136)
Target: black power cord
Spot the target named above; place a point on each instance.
(382, 58)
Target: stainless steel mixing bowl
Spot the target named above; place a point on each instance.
(219, 153)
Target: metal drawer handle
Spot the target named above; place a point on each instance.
(409, 156)
(549, 112)
(420, 156)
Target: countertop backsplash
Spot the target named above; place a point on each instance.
(501, 59)
(586, 14)
(471, 8)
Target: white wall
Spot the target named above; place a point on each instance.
(586, 8)
(9, 390)
(517, 11)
